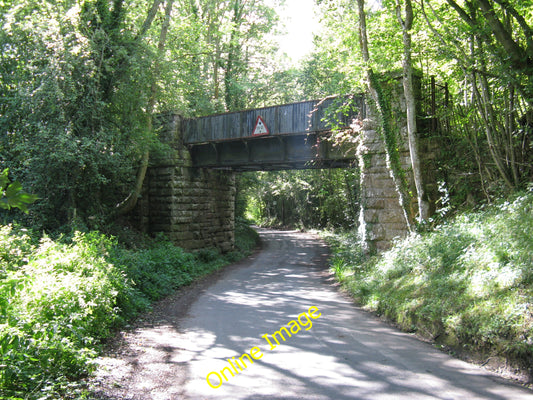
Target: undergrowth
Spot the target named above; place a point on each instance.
(468, 284)
(60, 298)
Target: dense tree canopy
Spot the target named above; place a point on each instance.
(80, 81)
(479, 53)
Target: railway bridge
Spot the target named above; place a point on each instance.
(189, 191)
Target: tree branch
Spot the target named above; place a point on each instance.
(462, 13)
(528, 31)
(517, 53)
(149, 19)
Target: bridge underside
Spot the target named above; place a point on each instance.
(291, 151)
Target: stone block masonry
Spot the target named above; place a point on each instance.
(193, 207)
(382, 217)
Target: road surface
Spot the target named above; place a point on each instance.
(337, 352)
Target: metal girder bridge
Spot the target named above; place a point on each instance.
(290, 136)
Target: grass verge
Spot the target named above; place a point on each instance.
(468, 284)
(60, 298)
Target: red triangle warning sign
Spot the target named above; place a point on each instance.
(260, 127)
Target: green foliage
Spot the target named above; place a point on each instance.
(158, 270)
(74, 128)
(246, 238)
(468, 283)
(60, 299)
(12, 195)
(307, 198)
(219, 51)
(321, 74)
(17, 246)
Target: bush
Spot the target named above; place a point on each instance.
(469, 282)
(15, 247)
(59, 299)
(57, 305)
(159, 270)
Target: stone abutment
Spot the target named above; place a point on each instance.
(193, 207)
(383, 218)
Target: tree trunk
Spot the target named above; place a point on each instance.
(378, 103)
(407, 24)
(216, 62)
(231, 74)
(131, 201)
(149, 19)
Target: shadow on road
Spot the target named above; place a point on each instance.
(346, 354)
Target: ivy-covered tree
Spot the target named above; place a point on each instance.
(480, 50)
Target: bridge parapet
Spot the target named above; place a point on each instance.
(289, 119)
(291, 136)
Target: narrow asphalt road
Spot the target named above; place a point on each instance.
(345, 353)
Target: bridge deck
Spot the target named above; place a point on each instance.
(294, 139)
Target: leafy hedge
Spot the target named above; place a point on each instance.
(59, 299)
(469, 283)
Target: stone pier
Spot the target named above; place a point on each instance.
(382, 218)
(193, 207)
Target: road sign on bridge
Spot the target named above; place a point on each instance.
(260, 127)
